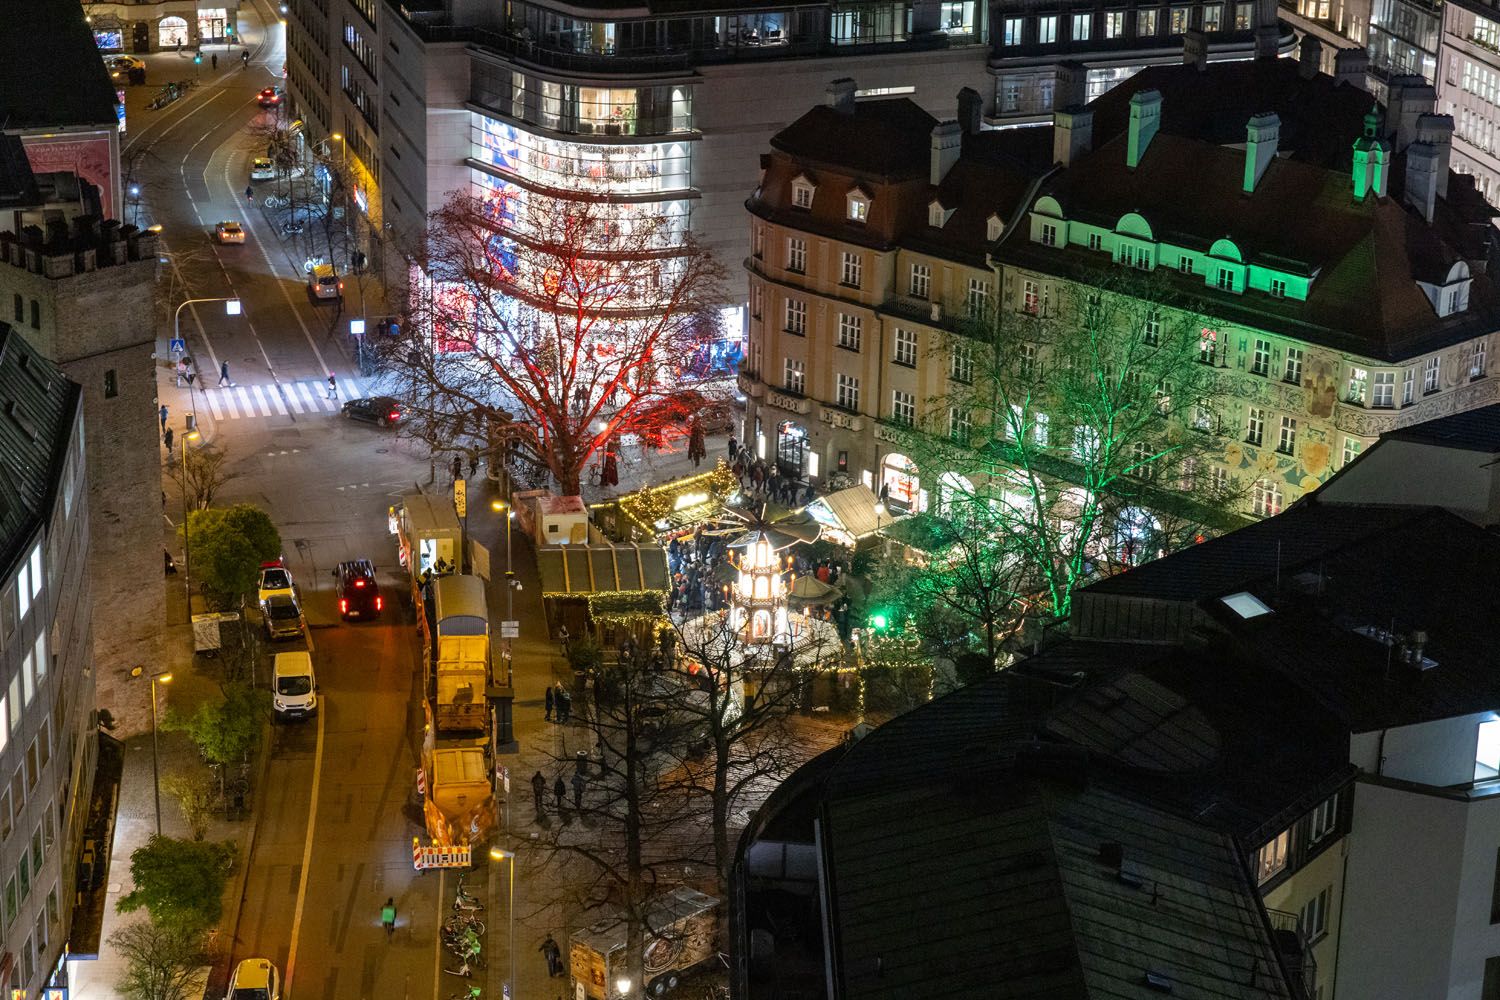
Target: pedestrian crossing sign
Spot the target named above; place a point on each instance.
(179, 345)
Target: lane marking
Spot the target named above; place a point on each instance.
(307, 846)
(213, 404)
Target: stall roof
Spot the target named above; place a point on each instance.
(431, 515)
(854, 508)
(811, 590)
(594, 569)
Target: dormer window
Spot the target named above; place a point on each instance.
(1452, 295)
(994, 226)
(857, 206)
(802, 193)
(937, 215)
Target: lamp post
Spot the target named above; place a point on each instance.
(187, 536)
(135, 196)
(161, 678)
(498, 854)
(232, 307)
(511, 584)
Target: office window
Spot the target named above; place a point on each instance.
(1260, 362)
(1145, 24)
(1287, 445)
(796, 255)
(959, 425)
(1355, 392)
(1265, 500)
(1179, 22)
(1278, 288)
(851, 273)
(1315, 915)
(851, 331)
(1114, 23)
(1046, 29)
(1477, 359)
(1255, 426)
(1322, 820)
(903, 408)
(857, 208)
(1011, 31)
(920, 282)
(1408, 386)
(906, 347)
(795, 376)
(1430, 374)
(1082, 25)
(796, 317)
(848, 392)
(1213, 16)
(961, 362)
(1385, 389)
(978, 297)
(1352, 448)
(1293, 370)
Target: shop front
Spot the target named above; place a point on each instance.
(213, 23)
(172, 33)
(791, 448)
(669, 510)
(900, 486)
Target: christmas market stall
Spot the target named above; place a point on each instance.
(670, 509)
(846, 517)
(605, 591)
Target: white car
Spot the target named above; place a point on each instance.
(294, 686)
(323, 282)
(254, 979)
(229, 232)
(262, 169)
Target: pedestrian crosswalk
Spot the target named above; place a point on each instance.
(237, 402)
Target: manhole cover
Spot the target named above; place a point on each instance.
(382, 451)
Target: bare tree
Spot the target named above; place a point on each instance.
(201, 475)
(160, 964)
(574, 316)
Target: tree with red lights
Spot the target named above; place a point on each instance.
(568, 323)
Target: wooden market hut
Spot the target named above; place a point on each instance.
(606, 590)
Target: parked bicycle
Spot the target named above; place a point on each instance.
(465, 900)
(459, 922)
(472, 993)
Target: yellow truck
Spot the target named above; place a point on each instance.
(458, 657)
(679, 936)
(458, 806)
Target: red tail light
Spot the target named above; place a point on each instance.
(395, 415)
(343, 605)
(379, 603)
(359, 583)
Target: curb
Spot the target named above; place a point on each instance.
(242, 878)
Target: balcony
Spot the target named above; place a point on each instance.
(1295, 950)
(785, 399)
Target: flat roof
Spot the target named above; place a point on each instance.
(52, 74)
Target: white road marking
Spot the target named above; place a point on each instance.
(243, 396)
(213, 405)
(307, 397)
(312, 822)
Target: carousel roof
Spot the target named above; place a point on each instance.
(810, 590)
(778, 540)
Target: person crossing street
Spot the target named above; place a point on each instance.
(388, 916)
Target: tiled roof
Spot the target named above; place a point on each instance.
(888, 138)
(51, 74)
(37, 407)
(1472, 430)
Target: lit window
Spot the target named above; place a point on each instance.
(1352, 448)
(906, 347)
(852, 271)
(1385, 389)
(802, 194)
(1430, 374)
(1477, 358)
(1260, 363)
(858, 208)
(920, 283)
(1046, 29)
(903, 408)
(795, 376)
(1082, 23)
(1011, 33)
(1356, 390)
(1213, 16)
(796, 254)
(1114, 24)
(1265, 498)
(1145, 23)
(848, 392)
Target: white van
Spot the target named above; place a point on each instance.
(294, 686)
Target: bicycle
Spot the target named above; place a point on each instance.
(459, 922)
(463, 971)
(472, 993)
(465, 900)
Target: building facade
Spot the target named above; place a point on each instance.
(47, 721)
(862, 270)
(163, 25)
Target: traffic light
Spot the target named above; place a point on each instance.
(229, 30)
(879, 620)
(197, 58)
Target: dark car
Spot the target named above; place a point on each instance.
(270, 97)
(358, 593)
(382, 410)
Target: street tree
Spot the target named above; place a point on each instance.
(227, 546)
(570, 323)
(226, 732)
(180, 883)
(201, 475)
(196, 796)
(1069, 444)
(160, 963)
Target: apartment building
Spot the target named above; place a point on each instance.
(47, 741)
(1342, 300)
(161, 25)
(1394, 875)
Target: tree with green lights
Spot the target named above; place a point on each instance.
(1069, 445)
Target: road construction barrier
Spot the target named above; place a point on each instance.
(432, 856)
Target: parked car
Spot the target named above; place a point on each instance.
(358, 593)
(282, 614)
(229, 232)
(120, 67)
(382, 410)
(262, 169)
(275, 578)
(323, 282)
(254, 979)
(294, 686)
(270, 97)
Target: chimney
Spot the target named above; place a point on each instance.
(1427, 162)
(1267, 30)
(1371, 160)
(1352, 67)
(1409, 98)
(970, 111)
(1145, 116)
(1261, 136)
(841, 95)
(1309, 57)
(1071, 85)
(947, 144)
(1072, 134)
(1195, 49)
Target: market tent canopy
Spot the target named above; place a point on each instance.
(809, 589)
(593, 569)
(849, 510)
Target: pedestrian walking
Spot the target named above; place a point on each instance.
(553, 954)
(163, 413)
(245, 59)
(579, 784)
(215, 60)
(250, 194)
(550, 702)
(333, 386)
(561, 791)
(388, 916)
(562, 637)
(458, 468)
(538, 790)
(166, 439)
(223, 373)
(734, 446)
(564, 706)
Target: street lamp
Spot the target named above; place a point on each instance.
(187, 538)
(622, 986)
(497, 854)
(511, 585)
(232, 307)
(135, 195)
(161, 678)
